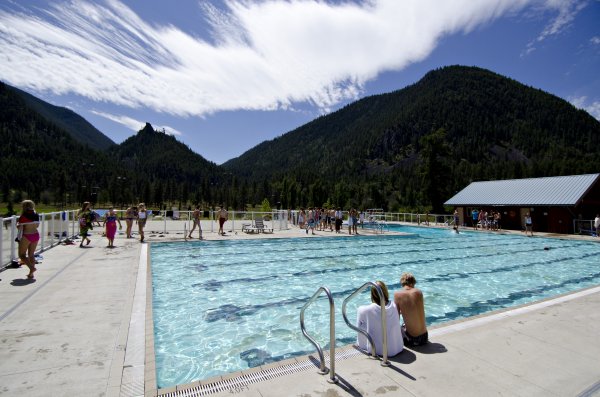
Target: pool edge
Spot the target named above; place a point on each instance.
(236, 379)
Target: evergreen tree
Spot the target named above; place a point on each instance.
(435, 170)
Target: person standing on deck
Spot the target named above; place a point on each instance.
(130, 215)
(528, 224)
(311, 220)
(110, 224)
(222, 216)
(475, 217)
(196, 220)
(597, 225)
(142, 216)
(456, 219)
(85, 222)
(338, 220)
(350, 222)
(28, 235)
(301, 218)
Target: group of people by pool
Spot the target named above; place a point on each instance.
(490, 220)
(29, 221)
(323, 219)
(408, 303)
(87, 217)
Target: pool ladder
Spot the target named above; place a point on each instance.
(322, 368)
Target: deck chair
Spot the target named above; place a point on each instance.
(249, 228)
(260, 226)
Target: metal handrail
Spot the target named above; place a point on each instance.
(384, 362)
(322, 369)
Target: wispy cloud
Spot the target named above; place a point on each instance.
(135, 125)
(567, 11)
(582, 102)
(263, 55)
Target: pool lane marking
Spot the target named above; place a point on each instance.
(510, 313)
(28, 296)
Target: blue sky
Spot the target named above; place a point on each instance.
(224, 76)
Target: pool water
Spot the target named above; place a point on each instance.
(223, 306)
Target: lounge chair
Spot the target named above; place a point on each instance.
(260, 225)
(247, 228)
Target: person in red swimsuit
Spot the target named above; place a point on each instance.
(28, 235)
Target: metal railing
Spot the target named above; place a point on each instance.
(54, 228)
(584, 226)
(379, 226)
(384, 362)
(173, 221)
(322, 369)
(407, 217)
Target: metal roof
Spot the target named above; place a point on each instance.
(557, 190)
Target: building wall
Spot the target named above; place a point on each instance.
(545, 219)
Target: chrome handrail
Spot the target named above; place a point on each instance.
(384, 362)
(322, 369)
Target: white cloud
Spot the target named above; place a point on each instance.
(135, 125)
(263, 55)
(567, 11)
(592, 107)
(595, 40)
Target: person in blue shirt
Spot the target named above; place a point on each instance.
(475, 215)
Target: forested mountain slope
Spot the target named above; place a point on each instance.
(468, 123)
(37, 156)
(40, 160)
(409, 149)
(66, 119)
(177, 171)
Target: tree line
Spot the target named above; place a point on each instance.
(411, 149)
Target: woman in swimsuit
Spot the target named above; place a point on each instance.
(301, 218)
(142, 216)
(28, 235)
(110, 222)
(196, 220)
(130, 215)
(85, 222)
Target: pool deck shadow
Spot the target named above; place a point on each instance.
(79, 330)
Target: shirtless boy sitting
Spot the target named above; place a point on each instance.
(409, 301)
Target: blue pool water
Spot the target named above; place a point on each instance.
(223, 306)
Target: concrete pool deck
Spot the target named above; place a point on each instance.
(78, 330)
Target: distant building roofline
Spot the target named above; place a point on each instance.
(547, 191)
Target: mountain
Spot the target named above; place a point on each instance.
(39, 157)
(42, 161)
(78, 127)
(469, 123)
(159, 155)
(410, 149)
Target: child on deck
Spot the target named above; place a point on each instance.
(110, 222)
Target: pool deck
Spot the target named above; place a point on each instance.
(79, 330)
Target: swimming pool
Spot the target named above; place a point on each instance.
(223, 306)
